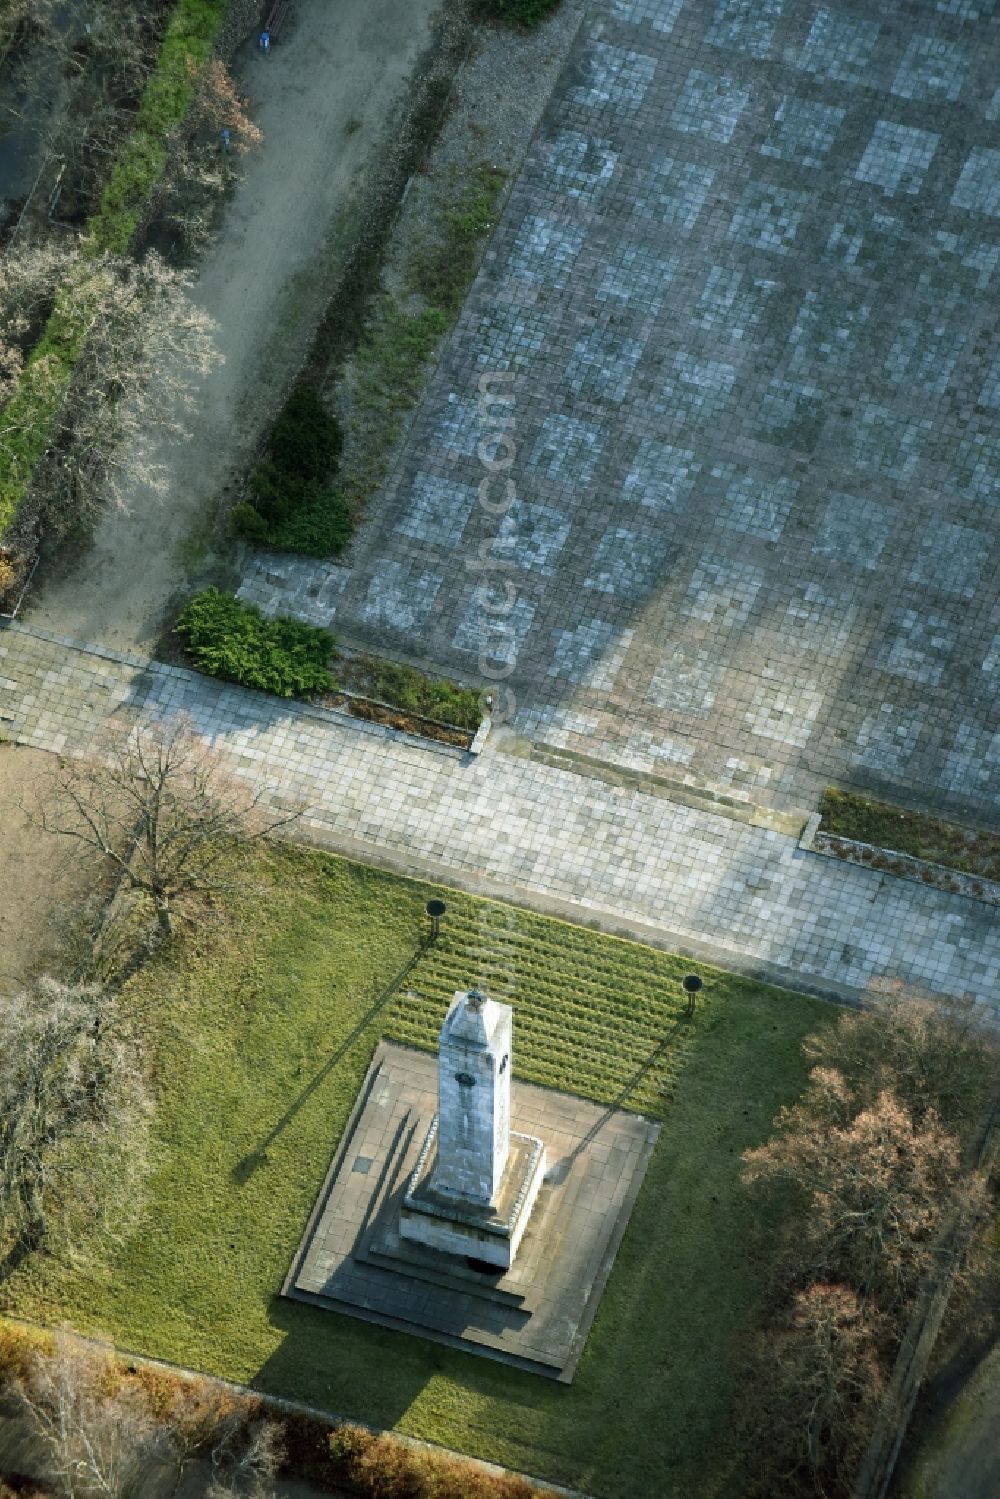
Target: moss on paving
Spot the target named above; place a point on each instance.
(262, 1022)
(847, 814)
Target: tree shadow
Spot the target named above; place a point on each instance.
(245, 1168)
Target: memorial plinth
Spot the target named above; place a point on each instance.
(447, 1239)
(489, 1232)
(475, 1183)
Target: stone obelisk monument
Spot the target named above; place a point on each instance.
(476, 1181)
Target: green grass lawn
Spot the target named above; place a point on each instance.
(262, 1024)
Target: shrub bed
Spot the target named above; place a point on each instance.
(849, 815)
(519, 12)
(316, 514)
(293, 505)
(228, 639)
(31, 410)
(442, 269)
(224, 637)
(407, 688)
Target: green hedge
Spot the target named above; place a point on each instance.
(31, 410)
(293, 505)
(234, 641)
(519, 12)
(226, 638)
(189, 38)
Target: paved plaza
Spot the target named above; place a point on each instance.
(741, 308)
(744, 896)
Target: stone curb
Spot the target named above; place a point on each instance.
(902, 866)
(808, 835)
(481, 736)
(684, 793)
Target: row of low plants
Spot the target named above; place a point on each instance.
(412, 691)
(226, 638)
(308, 491)
(30, 412)
(848, 814)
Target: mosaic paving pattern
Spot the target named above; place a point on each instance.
(710, 105)
(838, 48)
(742, 520)
(803, 131)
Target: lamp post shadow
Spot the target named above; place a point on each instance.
(560, 1169)
(245, 1168)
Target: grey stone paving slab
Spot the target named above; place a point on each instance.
(552, 836)
(743, 297)
(839, 47)
(302, 586)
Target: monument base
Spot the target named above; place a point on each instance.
(534, 1316)
(488, 1233)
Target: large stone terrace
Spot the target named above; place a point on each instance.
(746, 290)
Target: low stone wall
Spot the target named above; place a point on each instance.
(908, 867)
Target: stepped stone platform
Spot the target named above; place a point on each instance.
(535, 1315)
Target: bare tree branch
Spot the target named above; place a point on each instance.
(162, 808)
(102, 1438)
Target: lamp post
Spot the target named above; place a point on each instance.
(690, 983)
(435, 910)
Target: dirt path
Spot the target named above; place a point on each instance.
(336, 64)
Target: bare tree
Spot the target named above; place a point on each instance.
(161, 807)
(218, 101)
(200, 173)
(813, 1382)
(872, 1159)
(29, 281)
(103, 1437)
(98, 1441)
(143, 346)
(72, 1106)
(878, 1187)
(936, 1054)
(244, 1459)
